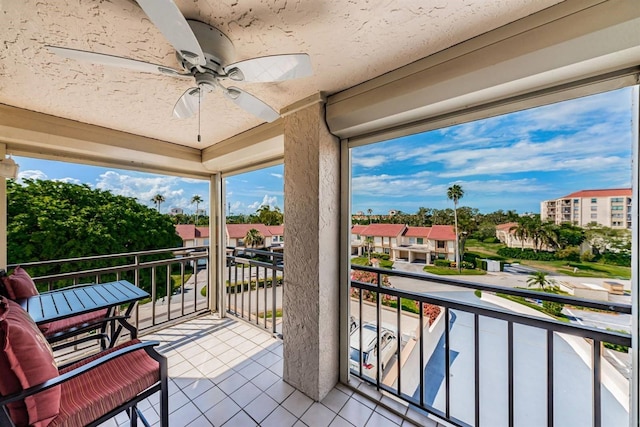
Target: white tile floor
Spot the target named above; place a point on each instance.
(224, 372)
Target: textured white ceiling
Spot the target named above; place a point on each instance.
(348, 41)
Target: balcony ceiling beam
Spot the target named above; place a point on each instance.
(30, 134)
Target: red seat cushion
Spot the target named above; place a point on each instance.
(26, 360)
(95, 393)
(50, 329)
(19, 284)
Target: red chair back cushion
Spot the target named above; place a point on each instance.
(26, 360)
(19, 284)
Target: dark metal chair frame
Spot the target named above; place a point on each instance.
(130, 406)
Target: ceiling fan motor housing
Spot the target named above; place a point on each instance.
(216, 46)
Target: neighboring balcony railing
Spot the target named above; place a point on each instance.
(254, 287)
(176, 279)
(477, 363)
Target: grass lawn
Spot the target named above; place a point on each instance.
(447, 271)
(269, 313)
(481, 248)
(365, 261)
(584, 269)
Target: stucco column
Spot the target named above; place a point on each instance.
(311, 251)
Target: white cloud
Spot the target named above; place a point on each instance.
(32, 174)
(267, 200)
(368, 161)
(71, 181)
(144, 188)
(277, 175)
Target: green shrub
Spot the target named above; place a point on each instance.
(571, 253)
(529, 254)
(587, 257)
(491, 240)
(553, 308)
(442, 263)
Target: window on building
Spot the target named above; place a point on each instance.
(412, 240)
(594, 216)
(440, 244)
(420, 240)
(594, 200)
(594, 208)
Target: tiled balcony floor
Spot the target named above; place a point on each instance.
(224, 372)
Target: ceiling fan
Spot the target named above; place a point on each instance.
(205, 54)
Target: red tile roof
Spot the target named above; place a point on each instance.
(357, 229)
(506, 226)
(442, 232)
(384, 230)
(611, 192)
(191, 232)
(417, 232)
(239, 231)
(276, 230)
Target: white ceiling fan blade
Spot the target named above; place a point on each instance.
(166, 16)
(251, 104)
(187, 105)
(115, 61)
(271, 68)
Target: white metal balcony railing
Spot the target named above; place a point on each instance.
(175, 278)
(471, 364)
(474, 363)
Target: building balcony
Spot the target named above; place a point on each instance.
(227, 368)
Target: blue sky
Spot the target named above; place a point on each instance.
(507, 162)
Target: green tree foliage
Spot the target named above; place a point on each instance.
(50, 220)
(267, 216)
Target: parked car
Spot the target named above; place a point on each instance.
(370, 354)
(353, 324)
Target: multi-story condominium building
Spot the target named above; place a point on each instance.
(607, 207)
(196, 236)
(412, 244)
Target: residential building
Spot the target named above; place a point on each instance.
(176, 211)
(382, 237)
(507, 235)
(192, 235)
(606, 207)
(273, 235)
(404, 243)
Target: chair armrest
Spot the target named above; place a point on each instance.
(146, 346)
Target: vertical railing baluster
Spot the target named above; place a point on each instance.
(510, 371)
(597, 389)
(182, 288)
(360, 319)
(249, 292)
(265, 298)
(153, 296)
(274, 295)
(476, 367)
(421, 352)
(169, 291)
(447, 363)
(378, 328)
(550, 382)
(242, 293)
(398, 344)
(195, 287)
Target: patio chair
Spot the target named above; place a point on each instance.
(33, 392)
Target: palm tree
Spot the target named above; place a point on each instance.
(455, 193)
(369, 242)
(369, 212)
(197, 200)
(539, 279)
(253, 238)
(158, 199)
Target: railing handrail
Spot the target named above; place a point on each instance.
(189, 249)
(608, 306)
(582, 331)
